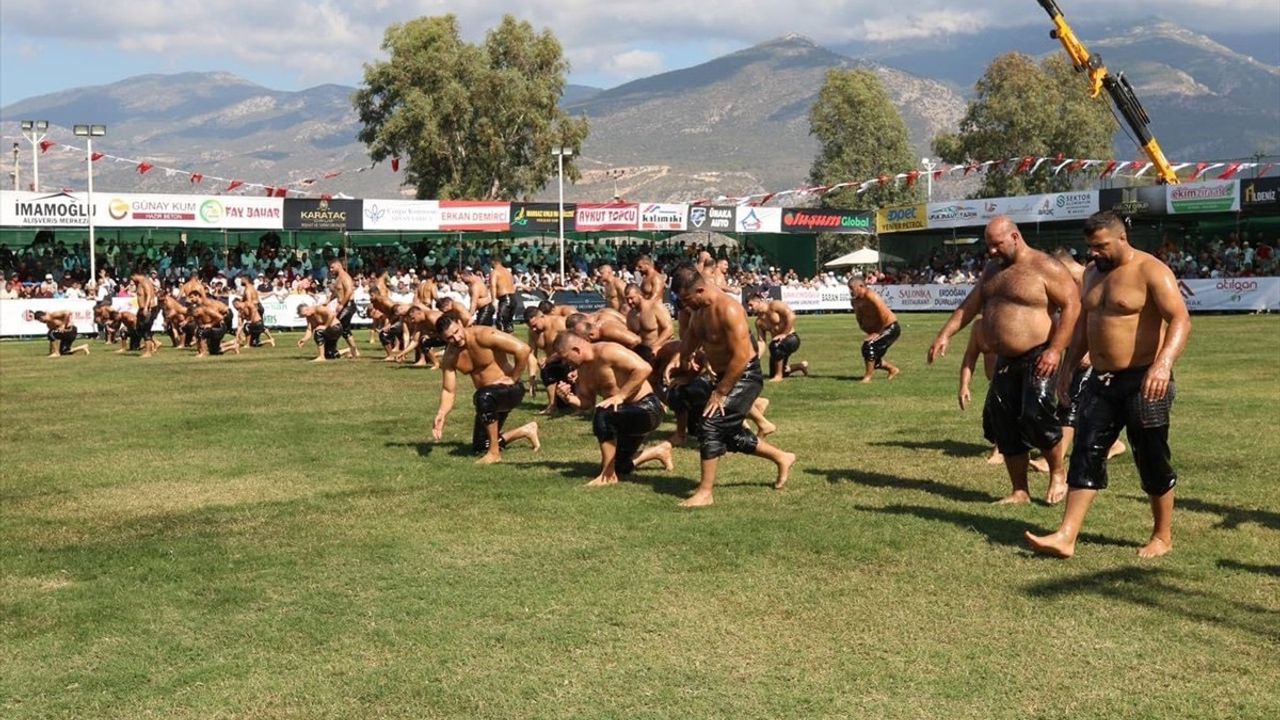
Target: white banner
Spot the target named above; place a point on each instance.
(663, 216)
(401, 215)
(1203, 197)
(1229, 294)
(1050, 207)
(759, 220)
(29, 209)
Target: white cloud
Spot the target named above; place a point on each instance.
(633, 64)
(925, 24)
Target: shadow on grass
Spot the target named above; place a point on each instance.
(1232, 518)
(456, 449)
(880, 480)
(1004, 531)
(584, 471)
(844, 378)
(1157, 588)
(1272, 570)
(950, 448)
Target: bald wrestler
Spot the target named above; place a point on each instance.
(211, 321)
(503, 287)
(612, 287)
(648, 317)
(483, 310)
(652, 283)
(62, 332)
(629, 411)
(776, 321)
(495, 361)
(718, 328)
(978, 347)
(344, 293)
(879, 323)
(323, 325)
(148, 310)
(1029, 305)
(1134, 324)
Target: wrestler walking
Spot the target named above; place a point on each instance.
(879, 323)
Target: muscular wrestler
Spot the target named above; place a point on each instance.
(775, 319)
(175, 318)
(344, 290)
(426, 292)
(483, 310)
(495, 361)
(62, 332)
(503, 287)
(102, 319)
(323, 325)
(648, 318)
(420, 323)
(544, 329)
(1134, 323)
(1069, 410)
(210, 317)
(148, 310)
(718, 327)
(629, 411)
(595, 329)
(979, 347)
(1018, 295)
(879, 323)
(193, 286)
(653, 283)
(122, 327)
(613, 287)
(251, 327)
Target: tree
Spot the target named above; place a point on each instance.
(469, 121)
(861, 135)
(1023, 108)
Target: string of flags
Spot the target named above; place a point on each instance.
(1023, 165)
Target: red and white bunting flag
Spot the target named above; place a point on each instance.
(196, 178)
(45, 145)
(395, 164)
(95, 157)
(234, 184)
(1230, 172)
(144, 167)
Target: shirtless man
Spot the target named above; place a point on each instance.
(211, 317)
(426, 293)
(175, 319)
(503, 287)
(648, 317)
(62, 332)
(122, 327)
(775, 319)
(653, 283)
(1134, 323)
(544, 329)
(344, 310)
(251, 327)
(595, 329)
(193, 286)
(323, 325)
(148, 310)
(629, 411)
(102, 319)
(495, 361)
(979, 347)
(1069, 411)
(1019, 294)
(613, 286)
(549, 308)
(483, 310)
(718, 327)
(879, 323)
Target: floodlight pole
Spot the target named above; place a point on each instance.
(89, 132)
(560, 153)
(34, 132)
(17, 183)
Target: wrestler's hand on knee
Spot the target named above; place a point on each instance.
(715, 405)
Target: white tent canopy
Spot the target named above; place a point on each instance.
(863, 256)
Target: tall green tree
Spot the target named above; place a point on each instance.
(861, 135)
(1023, 108)
(469, 121)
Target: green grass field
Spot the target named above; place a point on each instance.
(257, 537)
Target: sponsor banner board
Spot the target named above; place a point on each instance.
(597, 217)
(336, 214)
(478, 216)
(712, 218)
(1260, 194)
(1049, 207)
(1231, 294)
(827, 220)
(759, 220)
(28, 209)
(663, 216)
(401, 215)
(1204, 197)
(1145, 200)
(902, 219)
(541, 217)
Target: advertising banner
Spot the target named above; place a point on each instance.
(902, 219)
(898, 297)
(28, 209)
(1146, 200)
(401, 215)
(1231, 294)
(1260, 195)
(663, 216)
(541, 217)
(1205, 197)
(759, 220)
(1050, 207)
(597, 217)
(302, 214)
(712, 218)
(827, 220)
(477, 216)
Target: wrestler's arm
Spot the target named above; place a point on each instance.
(690, 342)
(735, 321)
(666, 330)
(448, 388)
(1162, 288)
(963, 315)
(511, 345)
(618, 333)
(636, 368)
(787, 321)
(882, 307)
(1063, 294)
(967, 366)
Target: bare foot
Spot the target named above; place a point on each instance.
(698, 499)
(489, 459)
(315, 360)
(784, 470)
(1055, 545)
(1017, 497)
(57, 355)
(86, 352)
(766, 429)
(602, 480)
(1057, 490)
(802, 368)
(996, 458)
(893, 372)
(1117, 448)
(533, 436)
(1039, 465)
(665, 456)
(777, 378)
(1155, 548)
(272, 342)
(763, 403)
(866, 380)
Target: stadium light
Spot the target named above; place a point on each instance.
(35, 131)
(17, 184)
(561, 153)
(89, 132)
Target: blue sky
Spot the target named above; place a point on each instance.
(55, 45)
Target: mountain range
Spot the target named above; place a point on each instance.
(736, 124)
